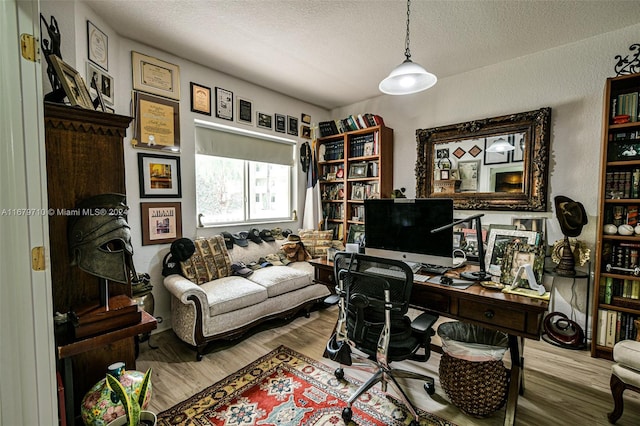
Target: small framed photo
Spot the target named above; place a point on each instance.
(154, 76)
(200, 99)
(224, 104)
(469, 175)
(358, 170)
(444, 174)
(281, 123)
(368, 149)
(72, 83)
(245, 111)
(518, 254)
(305, 132)
(305, 118)
(494, 157)
(497, 243)
(536, 224)
(98, 46)
(292, 128)
(264, 121)
(100, 82)
(161, 222)
(159, 176)
(518, 142)
(356, 234)
(357, 192)
(457, 239)
(157, 123)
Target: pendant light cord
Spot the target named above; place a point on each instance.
(407, 52)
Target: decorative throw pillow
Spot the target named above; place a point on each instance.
(210, 260)
(316, 242)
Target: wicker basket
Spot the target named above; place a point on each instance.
(477, 388)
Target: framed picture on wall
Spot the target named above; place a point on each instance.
(292, 127)
(157, 123)
(200, 98)
(154, 76)
(245, 111)
(159, 176)
(161, 222)
(281, 123)
(224, 104)
(98, 46)
(469, 175)
(264, 121)
(103, 83)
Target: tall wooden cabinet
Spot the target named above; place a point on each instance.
(617, 265)
(353, 166)
(85, 157)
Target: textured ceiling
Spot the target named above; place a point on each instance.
(333, 53)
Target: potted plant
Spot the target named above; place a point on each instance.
(131, 403)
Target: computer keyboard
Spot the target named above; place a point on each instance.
(434, 269)
(394, 273)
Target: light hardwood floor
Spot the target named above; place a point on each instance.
(563, 387)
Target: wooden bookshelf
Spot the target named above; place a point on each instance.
(617, 266)
(353, 166)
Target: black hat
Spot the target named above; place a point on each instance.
(241, 269)
(293, 238)
(266, 235)
(240, 239)
(571, 215)
(182, 249)
(254, 235)
(286, 232)
(228, 239)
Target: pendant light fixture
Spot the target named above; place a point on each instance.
(408, 77)
(500, 145)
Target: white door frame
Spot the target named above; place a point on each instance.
(27, 351)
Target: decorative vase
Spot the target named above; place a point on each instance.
(98, 409)
(147, 418)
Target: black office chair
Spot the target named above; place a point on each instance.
(374, 301)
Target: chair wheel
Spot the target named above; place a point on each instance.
(339, 373)
(347, 414)
(430, 388)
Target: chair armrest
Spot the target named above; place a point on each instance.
(182, 288)
(424, 322)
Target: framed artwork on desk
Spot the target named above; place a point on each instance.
(497, 243)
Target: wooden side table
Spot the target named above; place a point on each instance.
(323, 273)
(89, 356)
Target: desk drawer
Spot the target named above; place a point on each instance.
(325, 276)
(488, 314)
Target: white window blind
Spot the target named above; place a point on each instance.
(223, 141)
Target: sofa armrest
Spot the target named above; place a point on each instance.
(182, 288)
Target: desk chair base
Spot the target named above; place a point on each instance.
(385, 375)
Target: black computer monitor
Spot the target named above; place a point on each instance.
(400, 229)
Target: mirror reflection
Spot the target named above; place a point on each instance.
(491, 164)
(498, 163)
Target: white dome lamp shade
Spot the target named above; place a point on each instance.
(500, 145)
(408, 77)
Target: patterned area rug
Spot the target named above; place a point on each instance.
(285, 387)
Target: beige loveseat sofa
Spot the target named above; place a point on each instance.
(214, 304)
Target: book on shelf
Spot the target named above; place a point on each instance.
(614, 326)
(349, 124)
(625, 104)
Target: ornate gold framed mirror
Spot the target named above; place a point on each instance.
(498, 163)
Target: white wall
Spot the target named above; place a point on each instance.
(148, 259)
(569, 79)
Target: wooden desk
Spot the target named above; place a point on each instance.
(92, 360)
(518, 316)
